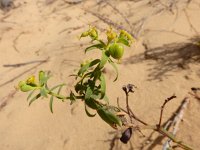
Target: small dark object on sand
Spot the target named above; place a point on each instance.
(126, 135)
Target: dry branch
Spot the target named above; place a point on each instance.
(23, 64)
(109, 22)
(19, 75)
(4, 100)
(176, 122)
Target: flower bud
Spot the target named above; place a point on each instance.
(84, 34)
(30, 80)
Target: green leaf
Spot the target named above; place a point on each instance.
(123, 41)
(95, 46)
(43, 77)
(104, 59)
(91, 103)
(103, 44)
(34, 98)
(103, 86)
(109, 117)
(57, 86)
(115, 68)
(88, 92)
(88, 113)
(29, 96)
(88, 65)
(51, 104)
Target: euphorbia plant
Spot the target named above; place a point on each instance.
(90, 86)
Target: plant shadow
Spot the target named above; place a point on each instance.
(168, 58)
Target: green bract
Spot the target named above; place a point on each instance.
(24, 87)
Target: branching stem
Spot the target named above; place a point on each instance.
(162, 108)
(158, 128)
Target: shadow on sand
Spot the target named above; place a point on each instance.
(168, 58)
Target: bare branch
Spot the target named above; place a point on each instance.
(176, 121)
(162, 108)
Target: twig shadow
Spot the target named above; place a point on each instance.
(115, 143)
(169, 58)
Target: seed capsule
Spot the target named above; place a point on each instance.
(116, 51)
(126, 135)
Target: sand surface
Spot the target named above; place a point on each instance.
(43, 34)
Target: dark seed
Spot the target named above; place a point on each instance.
(126, 135)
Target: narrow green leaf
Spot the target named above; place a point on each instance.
(91, 103)
(103, 44)
(104, 59)
(115, 68)
(29, 96)
(60, 88)
(88, 65)
(103, 86)
(109, 117)
(51, 104)
(34, 98)
(41, 77)
(96, 46)
(57, 86)
(88, 113)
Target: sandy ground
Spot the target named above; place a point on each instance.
(164, 60)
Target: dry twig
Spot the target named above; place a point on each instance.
(19, 75)
(176, 122)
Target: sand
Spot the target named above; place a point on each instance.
(43, 34)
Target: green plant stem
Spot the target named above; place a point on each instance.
(63, 97)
